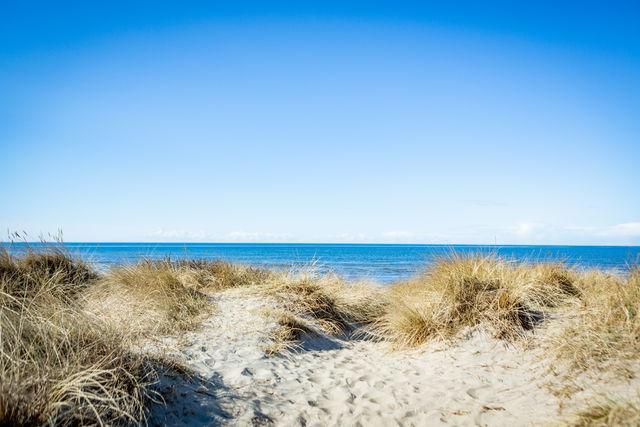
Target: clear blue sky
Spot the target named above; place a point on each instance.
(429, 122)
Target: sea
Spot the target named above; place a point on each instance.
(382, 263)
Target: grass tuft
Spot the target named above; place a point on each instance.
(608, 414)
(605, 329)
(48, 271)
(338, 307)
(216, 275)
(286, 336)
(57, 365)
(147, 298)
(462, 291)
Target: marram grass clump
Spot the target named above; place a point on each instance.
(57, 365)
(288, 332)
(337, 306)
(147, 298)
(463, 291)
(216, 275)
(45, 272)
(605, 328)
(164, 296)
(609, 413)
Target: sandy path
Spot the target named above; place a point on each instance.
(333, 382)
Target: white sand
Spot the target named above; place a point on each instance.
(478, 381)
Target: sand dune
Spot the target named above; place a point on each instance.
(330, 381)
(493, 343)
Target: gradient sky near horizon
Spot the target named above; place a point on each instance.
(397, 122)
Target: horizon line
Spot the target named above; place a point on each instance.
(319, 243)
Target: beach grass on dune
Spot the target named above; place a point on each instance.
(601, 311)
(462, 291)
(217, 275)
(153, 297)
(288, 332)
(57, 365)
(46, 271)
(609, 413)
(336, 305)
(605, 330)
(146, 298)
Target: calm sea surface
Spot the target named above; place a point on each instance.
(382, 263)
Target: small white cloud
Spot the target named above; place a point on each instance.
(255, 236)
(349, 238)
(529, 229)
(179, 234)
(535, 232)
(629, 229)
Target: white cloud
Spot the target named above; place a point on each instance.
(179, 234)
(255, 236)
(529, 229)
(541, 233)
(524, 232)
(348, 238)
(234, 236)
(629, 229)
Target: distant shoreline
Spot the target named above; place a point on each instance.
(330, 244)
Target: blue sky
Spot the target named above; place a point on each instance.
(397, 122)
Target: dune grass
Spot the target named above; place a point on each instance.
(147, 298)
(58, 366)
(338, 306)
(609, 413)
(46, 271)
(601, 311)
(164, 296)
(462, 291)
(605, 330)
(216, 275)
(457, 292)
(288, 332)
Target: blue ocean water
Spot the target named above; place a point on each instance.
(378, 262)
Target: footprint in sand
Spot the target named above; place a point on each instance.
(473, 392)
(365, 378)
(375, 397)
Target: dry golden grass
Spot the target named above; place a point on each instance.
(336, 305)
(147, 298)
(287, 334)
(48, 271)
(216, 275)
(164, 296)
(57, 366)
(605, 329)
(608, 414)
(546, 284)
(463, 291)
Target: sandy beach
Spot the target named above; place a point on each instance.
(472, 340)
(475, 380)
